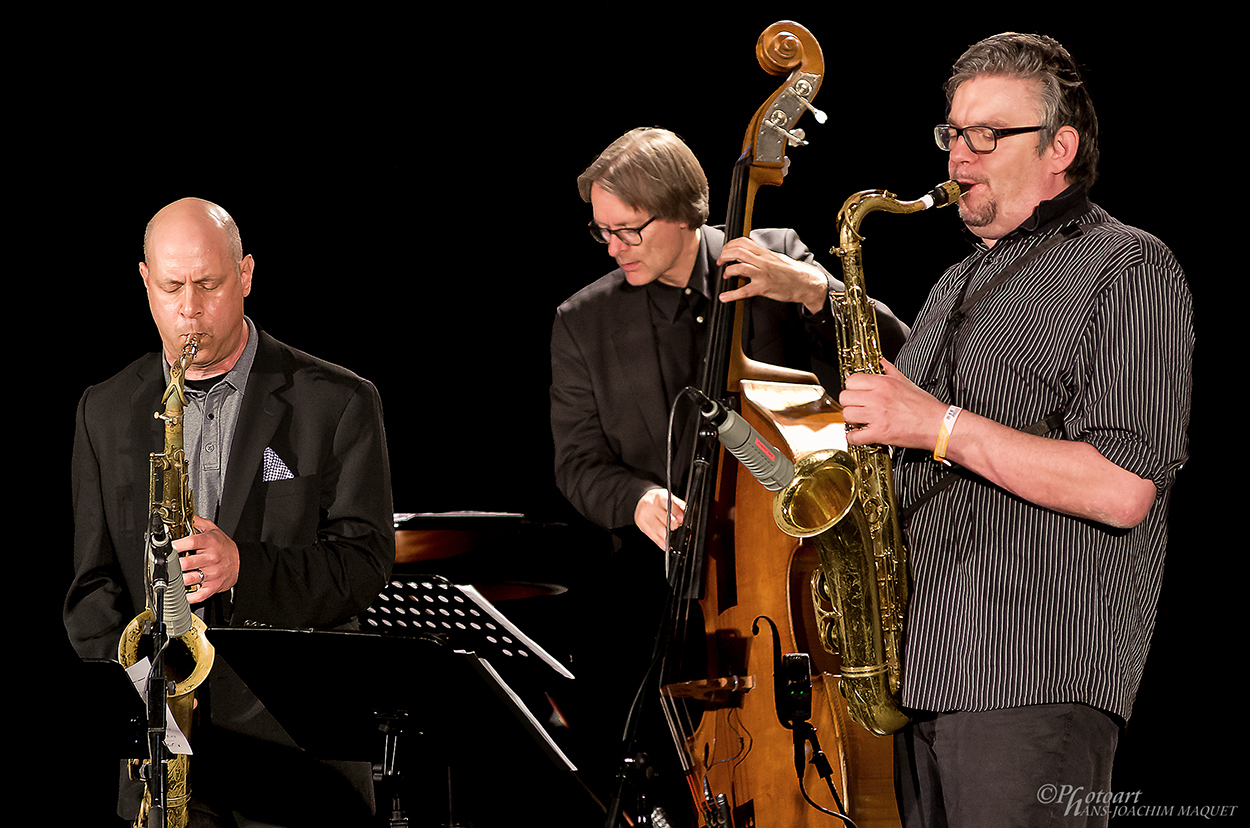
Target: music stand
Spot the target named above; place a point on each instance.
(451, 702)
(431, 605)
(107, 699)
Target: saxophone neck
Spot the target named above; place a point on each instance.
(175, 397)
(868, 201)
(178, 370)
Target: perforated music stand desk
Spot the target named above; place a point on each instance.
(431, 605)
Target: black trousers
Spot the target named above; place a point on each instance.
(1043, 765)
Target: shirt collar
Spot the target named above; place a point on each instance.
(237, 376)
(667, 298)
(699, 276)
(1062, 209)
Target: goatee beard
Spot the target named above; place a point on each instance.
(980, 217)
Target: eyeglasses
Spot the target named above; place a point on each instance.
(980, 139)
(629, 235)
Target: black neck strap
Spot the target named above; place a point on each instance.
(966, 302)
(1049, 423)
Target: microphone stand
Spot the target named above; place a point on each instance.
(157, 685)
(682, 552)
(635, 772)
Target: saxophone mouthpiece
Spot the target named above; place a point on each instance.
(945, 194)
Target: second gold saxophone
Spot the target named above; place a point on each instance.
(844, 500)
(189, 658)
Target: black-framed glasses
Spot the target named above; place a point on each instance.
(980, 139)
(629, 235)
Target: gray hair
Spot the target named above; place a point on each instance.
(1063, 95)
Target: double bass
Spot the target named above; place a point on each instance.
(762, 732)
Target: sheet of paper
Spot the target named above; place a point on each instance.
(175, 739)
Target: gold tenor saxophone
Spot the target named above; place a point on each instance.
(845, 501)
(189, 656)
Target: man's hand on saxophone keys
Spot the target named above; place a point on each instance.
(889, 409)
(213, 562)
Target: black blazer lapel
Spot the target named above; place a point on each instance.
(263, 410)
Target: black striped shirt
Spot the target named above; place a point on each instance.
(1013, 604)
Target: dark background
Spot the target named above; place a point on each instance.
(407, 188)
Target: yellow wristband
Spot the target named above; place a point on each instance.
(944, 434)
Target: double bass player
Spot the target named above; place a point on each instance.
(622, 350)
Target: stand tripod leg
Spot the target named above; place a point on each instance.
(391, 778)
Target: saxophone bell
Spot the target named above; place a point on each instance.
(822, 491)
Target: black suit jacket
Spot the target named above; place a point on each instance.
(609, 412)
(315, 549)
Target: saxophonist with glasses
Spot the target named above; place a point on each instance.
(1041, 402)
(286, 457)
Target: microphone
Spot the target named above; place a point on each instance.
(168, 594)
(768, 465)
(158, 553)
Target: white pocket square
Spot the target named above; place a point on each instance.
(274, 468)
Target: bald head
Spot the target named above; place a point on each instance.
(209, 217)
(196, 278)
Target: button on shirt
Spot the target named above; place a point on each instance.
(208, 427)
(678, 317)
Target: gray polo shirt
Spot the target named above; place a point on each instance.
(208, 425)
